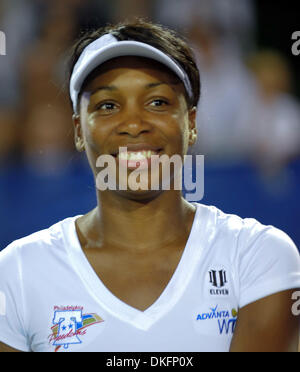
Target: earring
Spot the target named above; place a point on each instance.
(80, 145)
(193, 137)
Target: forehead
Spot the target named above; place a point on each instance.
(118, 65)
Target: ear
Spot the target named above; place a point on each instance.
(192, 126)
(78, 137)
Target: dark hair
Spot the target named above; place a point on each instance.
(160, 37)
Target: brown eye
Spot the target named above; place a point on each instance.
(158, 103)
(106, 108)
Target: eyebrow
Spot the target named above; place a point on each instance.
(113, 88)
(108, 87)
(154, 85)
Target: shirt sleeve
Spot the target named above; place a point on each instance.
(12, 329)
(269, 263)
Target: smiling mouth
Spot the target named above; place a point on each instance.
(136, 155)
(133, 153)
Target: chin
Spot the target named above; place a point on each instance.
(140, 195)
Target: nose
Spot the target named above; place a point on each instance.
(133, 124)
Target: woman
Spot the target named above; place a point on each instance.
(145, 270)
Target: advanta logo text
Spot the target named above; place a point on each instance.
(226, 321)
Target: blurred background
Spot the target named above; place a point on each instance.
(248, 119)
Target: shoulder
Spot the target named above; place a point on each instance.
(35, 247)
(263, 258)
(246, 231)
(247, 240)
(234, 227)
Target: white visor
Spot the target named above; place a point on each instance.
(108, 47)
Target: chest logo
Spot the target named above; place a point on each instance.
(70, 325)
(218, 281)
(223, 319)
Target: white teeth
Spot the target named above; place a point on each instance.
(140, 155)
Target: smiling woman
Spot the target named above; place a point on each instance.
(116, 114)
(145, 270)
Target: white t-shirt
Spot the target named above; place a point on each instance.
(52, 300)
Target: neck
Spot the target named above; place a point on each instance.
(137, 225)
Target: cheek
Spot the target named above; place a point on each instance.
(180, 129)
(90, 130)
(94, 141)
(94, 133)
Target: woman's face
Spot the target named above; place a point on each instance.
(136, 103)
